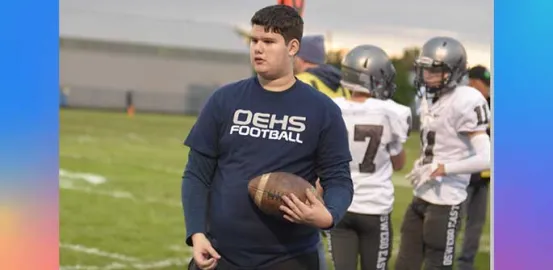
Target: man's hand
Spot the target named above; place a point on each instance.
(205, 256)
(422, 174)
(313, 212)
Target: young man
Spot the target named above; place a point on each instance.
(454, 144)
(376, 136)
(310, 68)
(476, 205)
(270, 122)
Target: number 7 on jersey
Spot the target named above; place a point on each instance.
(374, 133)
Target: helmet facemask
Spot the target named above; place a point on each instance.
(435, 76)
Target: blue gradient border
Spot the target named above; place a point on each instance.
(523, 96)
(29, 134)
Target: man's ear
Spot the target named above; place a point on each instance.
(293, 47)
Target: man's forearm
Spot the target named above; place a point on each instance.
(338, 190)
(195, 189)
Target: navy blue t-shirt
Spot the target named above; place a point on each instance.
(250, 131)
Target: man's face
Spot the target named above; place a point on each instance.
(270, 56)
(480, 86)
(433, 77)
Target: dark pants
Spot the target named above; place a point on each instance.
(476, 207)
(367, 236)
(322, 252)
(308, 261)
(428, 235)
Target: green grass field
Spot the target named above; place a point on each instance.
(120, 192)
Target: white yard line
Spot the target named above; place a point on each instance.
(111, 266)
(120, 266)
(84, 139)
(109, 161)
(117, 195)
(90, 178)
(180, 248)
(97, 252)
(124, 261)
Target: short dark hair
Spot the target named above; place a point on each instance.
(281, 19)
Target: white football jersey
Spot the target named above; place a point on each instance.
(403, 111)
(444, 125)
(376, 132)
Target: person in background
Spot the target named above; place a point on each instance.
(476, 205)
(310, 68)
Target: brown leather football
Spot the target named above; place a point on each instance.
(266, 190)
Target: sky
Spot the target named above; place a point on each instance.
(390, 24)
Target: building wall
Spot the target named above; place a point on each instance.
(100, 74)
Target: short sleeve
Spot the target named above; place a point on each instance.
(400, 127)
(473, 113)
(204, 135)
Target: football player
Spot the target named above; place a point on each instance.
(454, 142)
(377, 130)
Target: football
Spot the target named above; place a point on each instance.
(266, 190)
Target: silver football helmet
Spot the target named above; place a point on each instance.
(368, 69)
(443, 58)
